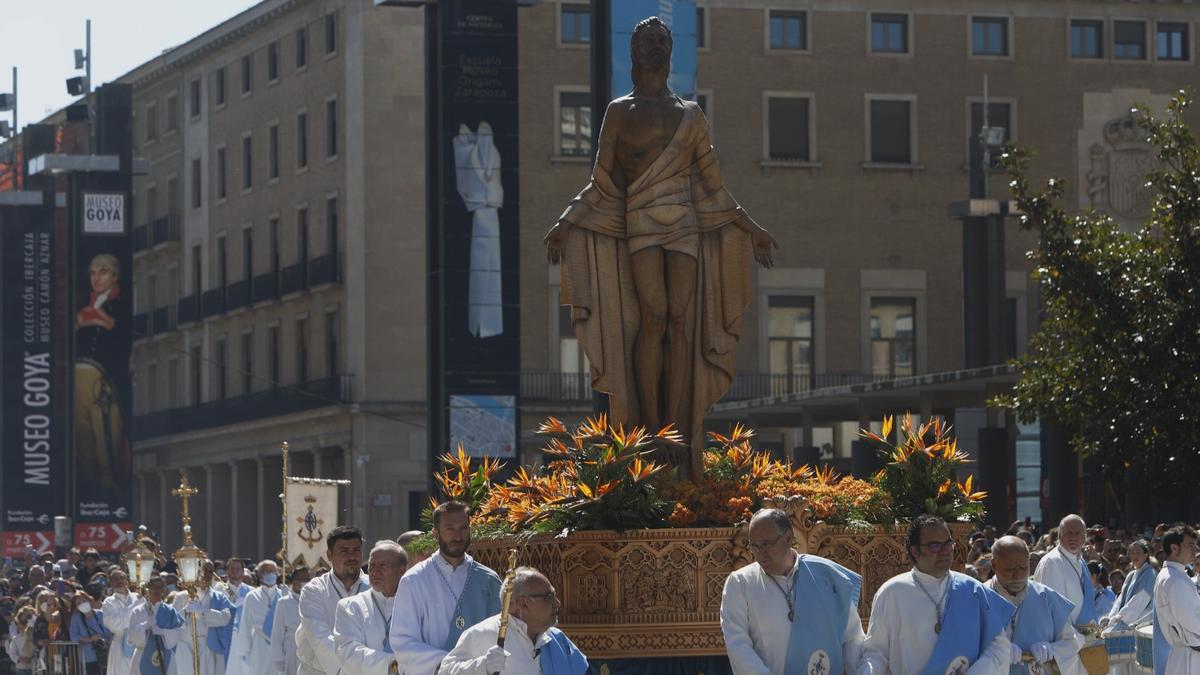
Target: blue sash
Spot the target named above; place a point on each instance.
(1040, 618)
(219, 639)
(1143, 581)
(156, 657)
(560, 656)
(270, 618)
(235, 609)
(1160, 646)
(1087, 606)
(974, 616)
(824, 593)
(480, 599)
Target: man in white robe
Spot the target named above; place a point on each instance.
(931, 620)
(532, 646)
(152, 632)
(252, 642)
(315, 646)
(212, 613)
(363, 621)
(1041, 627)
(1177, 605)
(287, 620)
(766, 602)
(235, 590)
(442, 596)
(1064, 570)
(117, 609)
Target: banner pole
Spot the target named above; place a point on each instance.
(283, 550)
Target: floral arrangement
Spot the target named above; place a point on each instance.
(604, 477)
(920, 474)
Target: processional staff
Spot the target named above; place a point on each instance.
(506, 598)
(190, 558)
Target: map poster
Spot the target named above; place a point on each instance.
(486, 426)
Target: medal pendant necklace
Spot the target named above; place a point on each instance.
(788, 595)
(460, 622)
(938, 608)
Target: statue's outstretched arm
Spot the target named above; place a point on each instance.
(606, 153)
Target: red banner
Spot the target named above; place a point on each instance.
(14, 543)
(104, 537)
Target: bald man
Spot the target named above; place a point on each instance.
(1064, 570)
(363, 621)
(1041, 628)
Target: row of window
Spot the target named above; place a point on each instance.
(891, 33)
(151, 300)
(790, 126)
(246, 374)
(246, 83)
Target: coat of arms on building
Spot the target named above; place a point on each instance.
(1117, 178)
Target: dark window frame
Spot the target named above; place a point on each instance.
(877, 153)
(885, 46)
(1076, 45)
(775, 150)
(575, 20)
(987, 49)
(1183, 31)
(778, 33)
(1125, 46)
(581, 103)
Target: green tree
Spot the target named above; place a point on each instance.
(1116, 360)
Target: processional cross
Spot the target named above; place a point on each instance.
(185, 492)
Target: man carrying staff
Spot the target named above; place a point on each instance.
(442, 596)
(532, 646)
(214, 632)
(789, 613)
(1041, 626)
(931, 621)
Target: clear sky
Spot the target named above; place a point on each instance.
(39, 37)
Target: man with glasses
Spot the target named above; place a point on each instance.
(1040, 629)
(1064, 569)
(533, 646)
(930, 620)
(789, 613)
(1177, 606)
(363, 620)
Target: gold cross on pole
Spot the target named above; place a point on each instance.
(185, 492)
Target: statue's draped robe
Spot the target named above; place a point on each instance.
(680, 204)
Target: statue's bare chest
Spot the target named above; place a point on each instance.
(648, 128)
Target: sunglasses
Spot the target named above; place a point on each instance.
(936, 547)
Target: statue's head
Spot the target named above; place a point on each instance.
(650, 47)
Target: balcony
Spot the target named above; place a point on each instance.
(141, 238)
(141, 326)
(324, 270)
(238, 296)
(213, 303)
(266, 287)
(257, 405)
(163, 320)
(295, 279)
(189, 309)
(576, 387)
(165, 230)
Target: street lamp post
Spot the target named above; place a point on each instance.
(190, 559)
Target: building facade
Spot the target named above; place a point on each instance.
(280, 252)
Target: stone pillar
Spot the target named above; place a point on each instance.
(233, 510)
(141, 513)
(210, 526)
(164, 492)
(261, 505)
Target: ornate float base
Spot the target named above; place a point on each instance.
(657, 593)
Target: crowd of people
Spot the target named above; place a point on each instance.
(1027, 600)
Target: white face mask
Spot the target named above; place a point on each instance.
(85, 607)
(45, 606)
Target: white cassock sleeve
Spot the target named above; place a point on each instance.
(116, 615)
(1053, 574)
(413, 654)
(1066, 648)
(876, 647)
(852, 641)
(995, 659)
(278, 658)
(1134, 610)
(468, 655)
(318, 625)
(1183, 609)
(349, 634)
(735, 625)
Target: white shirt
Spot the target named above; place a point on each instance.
(315, 646)
(428, 594)
(1066, 644)
(142, 629)
(1060, 570)
(118, 608)
(1177, 608)
(467, 656)
(360, 633)
(757, 632)
(900, 638)
(211, 663)
(251, 642)
(283, 650)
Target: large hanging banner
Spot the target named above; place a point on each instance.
(34, 466)
(102, 322)
(480, 224)
(680, 17)
(312, 514)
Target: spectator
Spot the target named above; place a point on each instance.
(45, 627)
(1116, 580)
(21, 646)
(91, 565)
(984, 567)
(34, 579)
(1104, 596)
(87, 628)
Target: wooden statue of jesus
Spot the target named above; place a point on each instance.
(656, 254)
